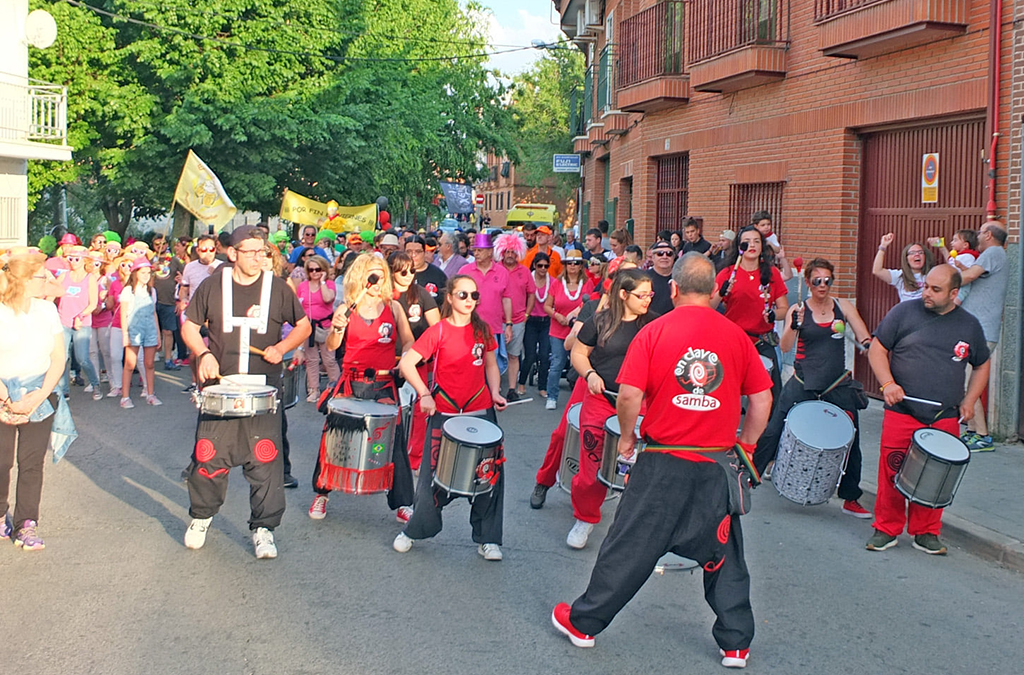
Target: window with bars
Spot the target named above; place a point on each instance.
(673, 191)
(746, 199)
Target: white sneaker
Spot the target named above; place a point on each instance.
(579, 534)
(153, 400)
(97, 395)
(115, 392)
(402, 543)
(403, 514)
(126, 403)
(551, 404)
(489, 551)
(263, 541)
(195, 535)
(88, 389)
(318, 509)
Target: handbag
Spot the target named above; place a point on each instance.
(320, 332)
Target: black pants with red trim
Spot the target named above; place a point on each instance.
(486, 512)
(672, 505)
(253, 443)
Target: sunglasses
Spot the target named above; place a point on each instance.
(827, 281)
(663, 254)
(543, 266)
(573, 262)
(309, 254)
(314, 269)
(206, 250)
(405, 272)
(462, 295)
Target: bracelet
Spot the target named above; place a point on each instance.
(200, 357)
(424, 395)
(508, 323)
(586, 378)
(882, 388)
(881, 249)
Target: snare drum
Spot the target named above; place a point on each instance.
(614, 471)
(292, 379)
(812, 452)
(570, 465)
(933, 468)
(359, 440)
(467, 463)
(236, 400)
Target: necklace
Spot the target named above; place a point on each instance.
(570, 296)
(547, 285)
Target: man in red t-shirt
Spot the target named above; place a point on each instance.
(691, 366)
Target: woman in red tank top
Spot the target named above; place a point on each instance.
(368, 323)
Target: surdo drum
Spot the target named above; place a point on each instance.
(933, 468)
(359, 438)
(570, 448)
(614, 470)
(236, 400)
(812, 452)
(467, 462)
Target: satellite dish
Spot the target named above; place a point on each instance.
(40, 29)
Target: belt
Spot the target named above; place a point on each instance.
(654, 447)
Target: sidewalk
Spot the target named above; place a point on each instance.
(987, 514)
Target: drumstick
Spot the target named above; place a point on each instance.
(921, 400)
(609, 392)
(370, 282)
(732, 277)
(257, 351)
(522, 400)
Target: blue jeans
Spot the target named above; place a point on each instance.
(558, 359)
(80, 339)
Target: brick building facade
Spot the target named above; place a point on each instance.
(502, 190)
(817, 110)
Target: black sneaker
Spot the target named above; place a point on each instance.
(290, 482)
(880, 541)
(930, 544)
(511, 396)
(540, 493)
(189, 389)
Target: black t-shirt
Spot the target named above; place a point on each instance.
(416, 311)
(587, 255)
(607, 359)
(206, 308)
(662, 301)
(702, 245)
(928, 356)
(432, 279)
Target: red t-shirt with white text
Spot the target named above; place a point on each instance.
(458, 365)
(744, 303)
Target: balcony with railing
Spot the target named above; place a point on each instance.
(651, 64)
(737, 44)
(33, 119)
(581, 143)
(862, 28)
(613, 119)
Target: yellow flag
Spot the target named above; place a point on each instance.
(353, 219)
(199, 191)
(301, 210)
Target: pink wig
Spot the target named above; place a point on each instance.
(509, 242)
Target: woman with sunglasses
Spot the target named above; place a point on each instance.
(466, 382)
(140, 329)
(915, 263)
(316, 294)
(754, 294)
(818, 327)
(303, 256)
(421, 311)
(81, 295)
(563, 305)
(368, 322)
(32, 356)
(536, 335)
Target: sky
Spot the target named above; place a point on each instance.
(518, 23)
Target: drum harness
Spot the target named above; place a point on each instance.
(245, 324)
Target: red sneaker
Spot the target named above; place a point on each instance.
(735, 658)
(852, 507)
(560, 618)
(403, 514)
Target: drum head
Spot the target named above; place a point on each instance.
(942, 445)
(611, 425)
(237, 389)
(357, 407)
(820, 425)
(473, 431)
(573, 416)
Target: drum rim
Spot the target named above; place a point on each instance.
(339, 400)
(956, 462)
(446, 434)
(844, 416)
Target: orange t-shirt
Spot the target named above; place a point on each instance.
(556, 260)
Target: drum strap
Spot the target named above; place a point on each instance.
(441, 392)
(245, 324)
(680, 448)
(832, 386)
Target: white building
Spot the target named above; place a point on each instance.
(33, 116)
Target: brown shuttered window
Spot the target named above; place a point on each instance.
(746, 199)
(673, 191)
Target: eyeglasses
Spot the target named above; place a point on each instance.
(827, 281)
(412, 251)
(206, 249)
(462, 295)
(915, 252)
(663, 254)
(252, 252)
(642, 296)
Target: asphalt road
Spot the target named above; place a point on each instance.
(115, 591)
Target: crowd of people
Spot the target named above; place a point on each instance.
(674, 333)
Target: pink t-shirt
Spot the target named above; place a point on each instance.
(76, 299)
(540, 294)
(313, 303)
(565, 304)
(115, 292)
(521, 285)
(104, 317)
(493, 286)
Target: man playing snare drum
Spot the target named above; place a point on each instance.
(691, 366)
(921, 350)
(244, 309)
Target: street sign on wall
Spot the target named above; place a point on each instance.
(930, 178)
(566, 164)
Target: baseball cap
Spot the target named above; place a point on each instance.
(544, 229)
(240, 234)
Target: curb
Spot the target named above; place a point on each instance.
(975, 539)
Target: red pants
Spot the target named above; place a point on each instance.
(588, 492)
(548, 470)
(891, 507)
(418, 425)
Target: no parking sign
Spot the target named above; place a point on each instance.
(930, 178)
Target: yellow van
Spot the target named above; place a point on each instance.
(540, 214)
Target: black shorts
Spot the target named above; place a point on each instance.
(167, 317)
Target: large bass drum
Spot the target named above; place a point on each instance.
(467, 462)
(359, 440)
(933, 468)
(812, 452)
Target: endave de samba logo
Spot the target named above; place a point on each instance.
(699, 372)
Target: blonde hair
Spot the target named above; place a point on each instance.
(15, 272)
(356, 275)
(276, 261)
